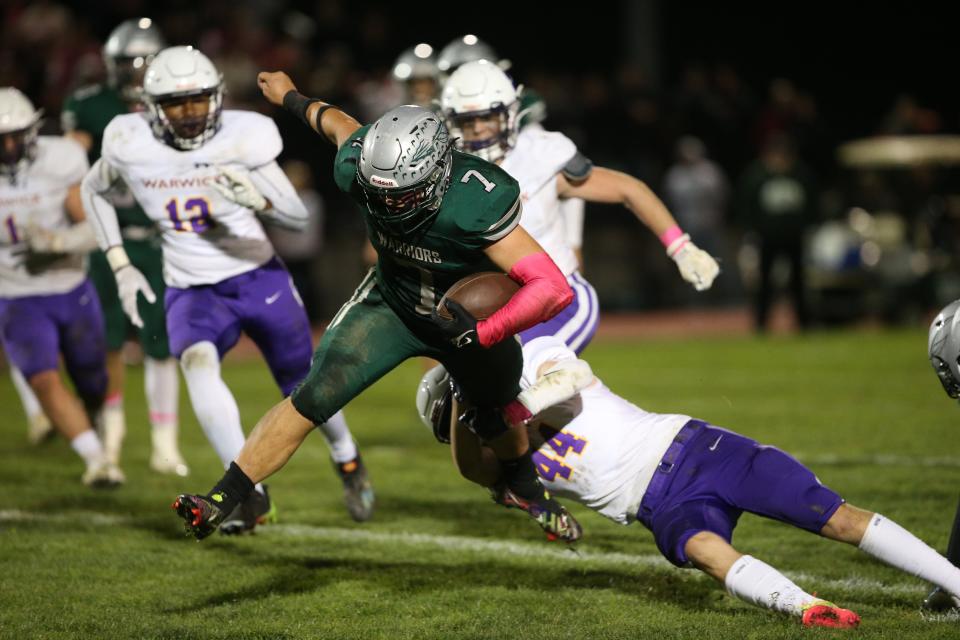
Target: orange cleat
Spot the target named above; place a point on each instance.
(826, 614)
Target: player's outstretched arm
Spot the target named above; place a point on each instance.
(326, 119)
(77, 238)
(606, 185)
(265, 190)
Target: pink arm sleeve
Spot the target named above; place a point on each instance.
(543, 293)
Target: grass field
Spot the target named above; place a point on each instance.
(439, 560)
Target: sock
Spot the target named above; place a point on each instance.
(758, 583)
(953, 549)
(335, 430)
(233, 488)
(521, 477)
(162, 389)
(87, 445)
(31, 406)
(887, 541)
(214, 405)
(114, 424)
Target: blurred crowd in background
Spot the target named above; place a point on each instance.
(845, 242)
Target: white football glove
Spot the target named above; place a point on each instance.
(130, 282)
(696, 265)
(77, 238)
(235, 186)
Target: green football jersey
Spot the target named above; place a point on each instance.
(91, 109)
(481, 206)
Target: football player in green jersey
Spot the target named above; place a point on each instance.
(435, 216)
(128, 50)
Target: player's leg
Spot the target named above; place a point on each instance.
(275, 319)
(577, 323)
(365, 340)
(201, 328)
(890, 543)
(756, 582)
(160, 378)
(938, 599)
(113, 422)
(489, 380)
(39, 426)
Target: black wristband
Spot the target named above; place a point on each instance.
(297, 104)
(317, 122)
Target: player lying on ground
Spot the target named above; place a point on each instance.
(207, 177)
(943, 349)
(688, 482)
(48, 307)
(434, 216)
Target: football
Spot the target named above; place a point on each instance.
(480, 293)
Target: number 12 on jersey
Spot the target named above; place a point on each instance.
(198, 222)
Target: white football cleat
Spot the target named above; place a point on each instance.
(165, 457)
(40, 428)
(103, 475)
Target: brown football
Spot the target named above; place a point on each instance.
(480, 293)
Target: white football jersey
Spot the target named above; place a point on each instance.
(535, 162)
(206, 238)
(37, 198)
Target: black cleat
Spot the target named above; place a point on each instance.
(258, 508)
(201, 515)
(939, 601)
(552, 516)
(358, 493)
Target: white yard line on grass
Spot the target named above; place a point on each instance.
(498, 548)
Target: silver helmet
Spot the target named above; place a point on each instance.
(435, 402)
(404, 168)
(943, 348)
(129, 49)
(416, 68)
(462, 50)
(19, 127)
(180, 75)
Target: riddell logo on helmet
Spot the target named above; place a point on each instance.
(382, 182)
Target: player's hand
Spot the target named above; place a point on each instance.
(460, 329)
(130, 282)
(696, 265)
(275, 85)
(235, 185)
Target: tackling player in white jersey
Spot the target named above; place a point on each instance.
(48, 307)
(206, 178)
(481, 106)
(686, 481)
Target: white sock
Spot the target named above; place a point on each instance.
(339, 439)
(758, 583)
(87, 445)
(31, 406)
(114, 423)
(162, 389)
(212, 401)
(887, 541)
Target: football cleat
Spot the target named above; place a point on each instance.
(358, 493)
(200, 514)
(103, 475)
(552, 516)
(40, 429)
(256, 509)
(821, 613)
(939, 601)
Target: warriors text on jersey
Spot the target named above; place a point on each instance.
(36, 198)
(600, 449)
(481, 205)
(535, 162)
(206, 238)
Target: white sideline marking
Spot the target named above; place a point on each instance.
(462, 544)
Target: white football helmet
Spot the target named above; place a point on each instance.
(128, 52)
(481, 90)
(19, 127)
(178, 73)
